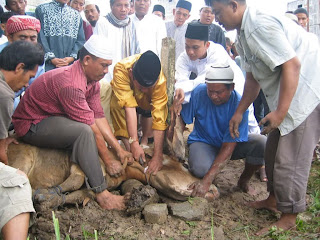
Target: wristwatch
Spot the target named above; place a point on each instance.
(131, 140)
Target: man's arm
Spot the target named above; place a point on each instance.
(202, 187)
(108, 136)
(156, 162)
(132, 125)
(288, 86)
(250, 93)
(4, 143)
(113, 167)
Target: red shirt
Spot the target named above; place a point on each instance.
(59, 92)
(88, 31)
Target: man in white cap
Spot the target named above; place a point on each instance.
(210, 145)
(69, 116)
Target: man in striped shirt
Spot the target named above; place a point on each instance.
(62, 110)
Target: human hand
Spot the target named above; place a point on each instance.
(125, 155)
(271, 121)
(200, 188)
(57, 62)
(155, 165)
(177, 101)
(137, 151)
(68, 60)
(10, 140)
(114, 168)
(234, 125)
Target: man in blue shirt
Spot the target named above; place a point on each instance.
(210, 144)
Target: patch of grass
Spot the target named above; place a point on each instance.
(212, 230)
(186, 232)
(191, 223)
(190, 200)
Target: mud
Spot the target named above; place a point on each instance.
(229, 214)
(228, 217)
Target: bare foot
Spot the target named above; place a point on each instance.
(109, 201)
(269, 203)
(244, 186)
(286, 222)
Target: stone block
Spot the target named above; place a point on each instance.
(192, 210)
(156, 213)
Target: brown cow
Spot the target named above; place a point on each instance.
(47, 168)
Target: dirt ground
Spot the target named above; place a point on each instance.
(229, 215)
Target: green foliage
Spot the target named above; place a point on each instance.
(186, 232)
(212, 230)
(190, 200)
(278, 234)
(56, 226)
(191, 223)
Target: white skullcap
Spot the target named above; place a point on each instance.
(89, 2)
(292, 17)
(99, 46)
(219, 73)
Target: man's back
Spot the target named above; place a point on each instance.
(61, 92)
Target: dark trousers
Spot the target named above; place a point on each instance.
(202, 155)
(63, 133)
(288, 162)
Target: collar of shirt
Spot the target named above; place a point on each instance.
(59, 4)
(244, 18)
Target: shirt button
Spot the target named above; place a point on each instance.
(267, 96)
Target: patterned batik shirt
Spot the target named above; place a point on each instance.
(61, 31)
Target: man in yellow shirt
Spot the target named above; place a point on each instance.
(139, 82)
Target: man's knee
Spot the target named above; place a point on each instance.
(258, 142)
(198, 172)
(86, 131)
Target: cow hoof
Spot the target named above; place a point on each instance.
(51, 198)
(140, 197)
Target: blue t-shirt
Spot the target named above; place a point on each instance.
(211, 122)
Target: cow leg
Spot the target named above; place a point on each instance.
(74, 181)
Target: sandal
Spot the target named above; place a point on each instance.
(262, 174)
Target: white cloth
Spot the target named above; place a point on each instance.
(178, 34)
(215, 54)
(114, 34)
(150, 30)
(266, 42)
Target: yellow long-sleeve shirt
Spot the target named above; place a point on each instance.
(126, 95)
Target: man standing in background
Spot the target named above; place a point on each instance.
(176, 29)
(61, 33)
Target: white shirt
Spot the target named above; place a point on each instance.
(150, 31)
(114, 35)
(178, 34)
(215, 54)
(266, 42)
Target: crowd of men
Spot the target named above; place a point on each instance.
(77, 84)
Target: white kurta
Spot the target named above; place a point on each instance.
(114, 36)
(215, 54)
(150, 31)
(178, 34)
